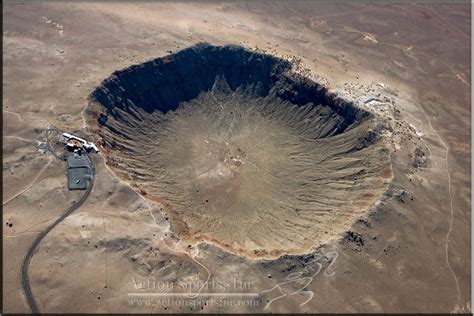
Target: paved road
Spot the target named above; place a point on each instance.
(26, 261)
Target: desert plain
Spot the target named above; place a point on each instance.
(405, 249)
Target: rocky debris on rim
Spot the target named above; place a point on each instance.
(420, 159)
(353, 237)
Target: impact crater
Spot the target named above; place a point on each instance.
(241, 151)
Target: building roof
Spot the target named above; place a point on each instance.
(70, 136)
(72, 141)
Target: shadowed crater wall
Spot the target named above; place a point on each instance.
(239, 150)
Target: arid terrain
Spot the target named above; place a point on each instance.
(392, 226)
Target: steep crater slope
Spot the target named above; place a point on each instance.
(239, 150)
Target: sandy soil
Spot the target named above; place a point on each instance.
(410, 253)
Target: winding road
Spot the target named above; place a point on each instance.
(26, 261)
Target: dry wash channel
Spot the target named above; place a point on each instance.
(239, 150)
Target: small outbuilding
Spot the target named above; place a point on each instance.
(79, 172)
